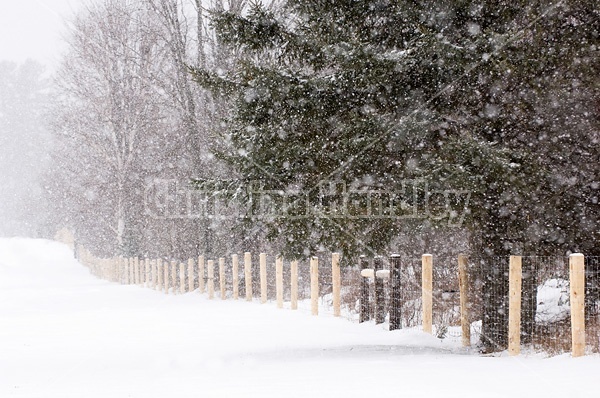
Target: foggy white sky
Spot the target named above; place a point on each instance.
(29, 29)
(33, 28)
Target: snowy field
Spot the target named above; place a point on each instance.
(64, 333)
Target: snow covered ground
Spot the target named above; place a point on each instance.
(64, 333)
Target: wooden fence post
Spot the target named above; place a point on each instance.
(515, 275)
(222, 277)
(131, 268)
(201, 274)
(191, 275)
(577, 297)
(235, 276)
(140, 270)
(136, 262)
(174, 275)
(248, 275)
(147, 272)
(379, 299)
(167, 273)
(120, 270)
(263, 277)
(153, 274)
(364, 314)
(294, 284)
(131, 271)
(314, 285)
(427, 291)
(336, 284)
(160, 273)
(395, 298)
(117, 269)
(125, 267)
(279, 280)
(142, 264)
(463, 282)
(140, 267)
(156, 274)
(211, 279)
(182, 278)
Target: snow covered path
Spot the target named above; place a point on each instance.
(64, 333)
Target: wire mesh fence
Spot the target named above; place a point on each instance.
(545, 319)
(592, 304)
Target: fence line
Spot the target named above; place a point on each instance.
(532, 308)
(547, 304)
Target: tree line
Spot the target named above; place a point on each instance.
(300, 114)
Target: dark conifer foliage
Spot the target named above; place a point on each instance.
(500, 99)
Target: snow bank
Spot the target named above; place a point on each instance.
(553, 301)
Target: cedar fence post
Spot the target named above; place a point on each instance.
(131, 271)
(336, 283)
(201, 274)
(427, 292)
(160, 272)
(146, 272)
(577, 297)
(263, 277)
(314, 285)
(154, 274)
(279, 280)
(174, 275)
(222, 277)
(210, 279)
(191, 285)
(515, 275)
(294, 284)
(248, 275)
(182, 278)
(136, 262)
(167, 274)
(125, 271)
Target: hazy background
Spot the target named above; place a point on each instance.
(32, 29)
(30, 48)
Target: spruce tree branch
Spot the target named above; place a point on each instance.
(511, 38)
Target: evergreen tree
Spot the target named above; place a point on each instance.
(491, 97)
